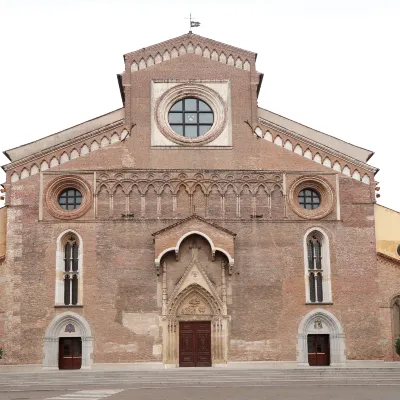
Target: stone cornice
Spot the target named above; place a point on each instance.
(389, 258)
(62, 145)
(317, 145)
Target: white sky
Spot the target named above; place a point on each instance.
(333, 65)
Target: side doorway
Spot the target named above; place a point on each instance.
(318, 350)
(195, 344)
(70, 353)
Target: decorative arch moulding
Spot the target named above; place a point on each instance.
(54, 189)
(181, 91)
(72, 150)
(316, 152)
(175, 180)
(322, 187)
(164, 52)
(171, 237)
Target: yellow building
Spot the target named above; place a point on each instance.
(387, 231)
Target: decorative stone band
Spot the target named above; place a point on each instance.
(212, 98)
(304, 149)
(323, 189)
(54, 189)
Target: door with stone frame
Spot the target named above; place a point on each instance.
(70, 353)
(318, 350)
(195, 344)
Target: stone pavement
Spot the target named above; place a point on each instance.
(256, 392)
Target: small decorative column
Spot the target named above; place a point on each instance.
(174, 204)
(111, 209)
(164, 288)
(223, 281)
(127, 204)
(284, 197)
(158, 204)
(142, 204)
(95, 206)
(269, 205)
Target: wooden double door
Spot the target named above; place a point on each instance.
(195, 344)
(70, 353)
(318, 349)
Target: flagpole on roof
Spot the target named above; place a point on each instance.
(192, 24)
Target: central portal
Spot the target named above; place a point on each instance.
(195, 344)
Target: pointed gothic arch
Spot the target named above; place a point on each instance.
(320, 321)
(58, 328)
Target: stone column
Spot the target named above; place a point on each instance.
(50, 360)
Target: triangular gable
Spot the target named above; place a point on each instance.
(189, 44)
(191, 217)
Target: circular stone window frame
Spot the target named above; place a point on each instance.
(201, 92)
(57, 186)
(324, 190)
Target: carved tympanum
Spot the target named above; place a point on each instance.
(194, 307)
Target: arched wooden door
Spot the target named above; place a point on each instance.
(70, 353)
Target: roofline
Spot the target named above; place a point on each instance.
(327, 134)
(6, 154)
(387, 208)
(121, 88)
(181, 221)
(194, 34)
(390, 258)
(259, 84)
(56, 133)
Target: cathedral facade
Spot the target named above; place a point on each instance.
(190, 228)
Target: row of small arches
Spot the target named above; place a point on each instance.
(127, 187)
(68, 156)
(288, 145)
(190, 49)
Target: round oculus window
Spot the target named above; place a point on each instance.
(191, 117)
(70, 199)
(309, 199)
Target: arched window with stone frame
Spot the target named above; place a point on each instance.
(396, 317)
(69, 269)
(317, 267)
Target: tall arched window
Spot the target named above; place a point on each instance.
(396, 317)
(69, 269)
(317, 267)
(71, 272)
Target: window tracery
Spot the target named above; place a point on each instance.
(71, 271)
(317, 267)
